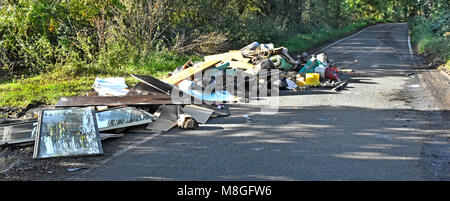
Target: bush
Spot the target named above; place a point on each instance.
(427, 35)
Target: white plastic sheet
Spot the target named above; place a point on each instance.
(112, 86)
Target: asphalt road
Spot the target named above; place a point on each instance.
(383, 126)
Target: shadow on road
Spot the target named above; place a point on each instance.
(311, 143)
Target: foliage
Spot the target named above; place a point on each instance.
(46, 45)
(429, 34)
(92, 36)
(303, 42)
(43, 89)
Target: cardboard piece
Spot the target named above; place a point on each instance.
(168, 116)
(200, 114)
(155, 83)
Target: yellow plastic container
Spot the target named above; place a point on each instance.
(312, 79)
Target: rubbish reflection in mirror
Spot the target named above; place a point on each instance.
(122, 117)
(68, 132)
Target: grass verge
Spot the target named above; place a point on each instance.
(433, 45)
(49, 87)
(303, 42)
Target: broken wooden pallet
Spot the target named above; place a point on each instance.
(177, 78)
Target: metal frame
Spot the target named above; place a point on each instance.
(126, 124)
(38, 135)
(17, 141)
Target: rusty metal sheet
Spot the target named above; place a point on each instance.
(143, 89)
(155, 83)
(81, 101)
(164, 87)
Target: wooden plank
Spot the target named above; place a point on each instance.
(177, 78)
(222, 57)
(82, 101)
(232, 55)
(237, 55)
(240, 64)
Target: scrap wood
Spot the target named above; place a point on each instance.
(180, 76)
(340, 86)
(187, 64)
(162, 86)
(223, 57)
(82, 101)
(232, 55)
(346, 71)
(264, 53)
(240, 64)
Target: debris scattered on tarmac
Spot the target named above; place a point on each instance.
(150, 104)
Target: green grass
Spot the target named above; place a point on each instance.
(436, 48)
(431, 45)
(303, 42)
(48, 88)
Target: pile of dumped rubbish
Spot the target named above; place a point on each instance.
(77, 125)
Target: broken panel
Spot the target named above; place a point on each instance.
(122, 117)
(16, 133)
(165, 88)
(143, 89)
(155, 83)
(68, 132)
(168, 116)
(200, 114)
